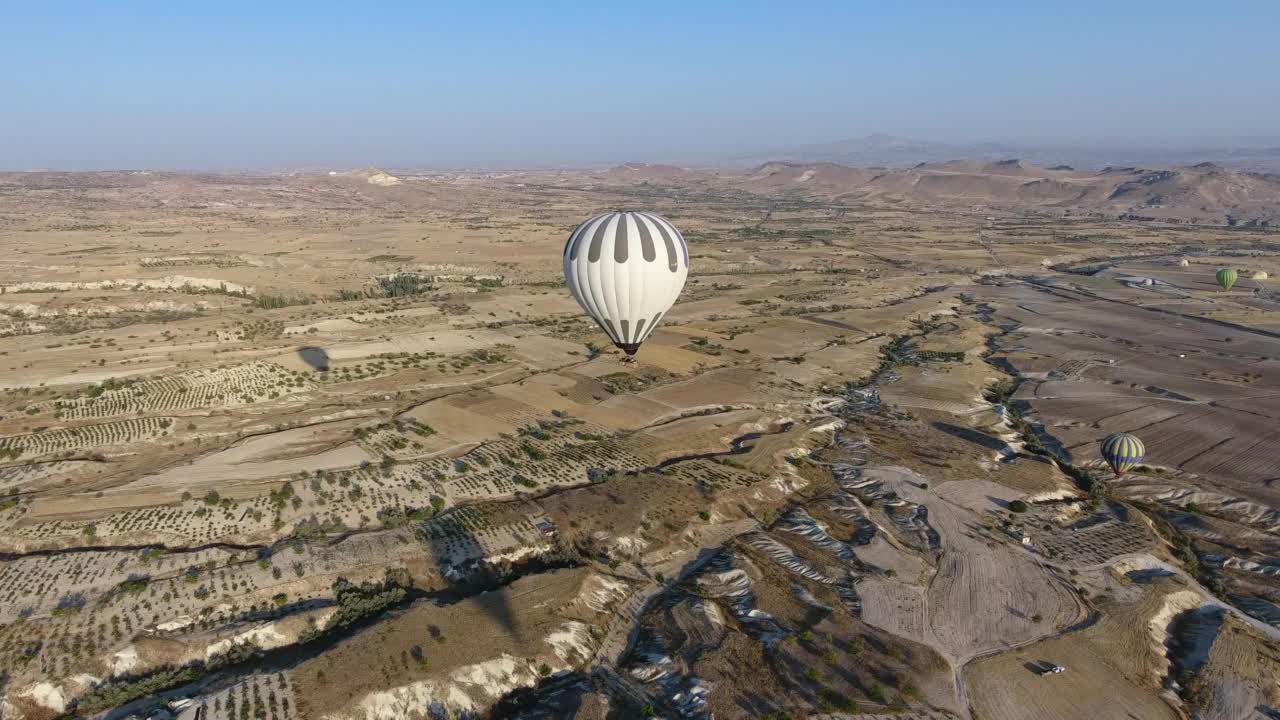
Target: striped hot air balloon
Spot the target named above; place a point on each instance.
(1227, 278)
(1122, 451)
(626, 269)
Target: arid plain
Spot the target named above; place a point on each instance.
(341, 445)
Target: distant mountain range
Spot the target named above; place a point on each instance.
(1257, 155)
(1201, 193)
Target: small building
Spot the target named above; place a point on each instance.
(545, 526)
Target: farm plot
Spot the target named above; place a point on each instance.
(459, 343)
(24, 477)
(954, 389)
(1113, 668)
(85, 437)
(136, 519)
(385, 364)
(502, 408)
(213, 259)
(192, 389)
(997, 598)
(1010, 686)
(717, 388)
(895, 606)
(266, 696)
(524, 465)
(1089, 544)
(892, 560)
(983, 596)
(223, 494)
(546, 451)
(978, 495)
(712, 474)
(457, 419)
(986, 596)
(469, 535)
(1194, 392)
(237, 471)
(125, 628)
(399, 438)
(131, 612)
(62, 584)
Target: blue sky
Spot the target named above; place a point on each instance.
(274, 84)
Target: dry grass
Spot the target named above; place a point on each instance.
(261, 388)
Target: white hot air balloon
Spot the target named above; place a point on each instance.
(626, 269)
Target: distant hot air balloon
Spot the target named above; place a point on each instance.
(1184, 263)
(626, 269)
(1227, 278)
(1261, 275)
(1122, 451)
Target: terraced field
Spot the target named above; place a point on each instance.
(373, 462)
(192, 390)
(68, 441)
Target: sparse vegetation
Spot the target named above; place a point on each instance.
(790, 478)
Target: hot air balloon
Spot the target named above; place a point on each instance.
(1122, 451)
(626, 269)
(1226, 278)
(1184, 263)
(1260, 275)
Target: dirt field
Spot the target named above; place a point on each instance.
(983, 597)
(1006, 687)
(352, 446)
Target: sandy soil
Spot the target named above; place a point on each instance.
(796, 291)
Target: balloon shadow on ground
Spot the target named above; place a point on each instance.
(460, 554)
(998, 502)
(315, 357)
(974, 436)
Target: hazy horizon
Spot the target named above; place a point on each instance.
(235, 86)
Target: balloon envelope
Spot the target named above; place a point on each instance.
(626, 270)
(1122, 451)
(1226, 278)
